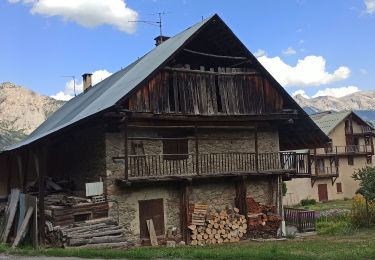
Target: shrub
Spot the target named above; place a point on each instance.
(284, 188)
(307, 202)
(360, 215)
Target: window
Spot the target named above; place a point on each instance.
(339, 187)
(350, 160)
(367, 140)
(175, 149)
(320, 165)
(369, 159)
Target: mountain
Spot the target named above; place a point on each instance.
(362, 102)
(21, 111)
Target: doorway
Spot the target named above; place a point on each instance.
(322, 192)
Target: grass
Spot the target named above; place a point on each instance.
(333, 204)
(334, 244)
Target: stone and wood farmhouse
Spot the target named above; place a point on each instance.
(196, 120)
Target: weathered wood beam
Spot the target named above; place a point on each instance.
(184, 211)
(232, 73)
(126, 165)
(196, 149)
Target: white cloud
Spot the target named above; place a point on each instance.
(68, 92)
(336, 92)
(309, 71)
(300, 92)
(370, 6)
(290, 51)
(332, 92)
(260, 53)
(88, 13)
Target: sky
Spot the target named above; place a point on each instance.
(312, 47)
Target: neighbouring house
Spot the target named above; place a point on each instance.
(351, 147)
(196, 120)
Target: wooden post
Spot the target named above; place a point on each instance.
(9, 170)
(241, 195)
(184, 211)
(256, 149)
(126, 170)
(20, 170)
(40, 159)
(196, 149)
(315, 163)
(25, 169)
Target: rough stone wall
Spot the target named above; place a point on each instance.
(127, 199)
(262, 189)
(217, 194)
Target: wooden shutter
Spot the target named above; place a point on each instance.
(339, 187)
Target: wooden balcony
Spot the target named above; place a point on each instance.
(175, 166)
(345, 150)
(326, 172)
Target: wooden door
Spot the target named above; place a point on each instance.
(151, 209)
(323, 192)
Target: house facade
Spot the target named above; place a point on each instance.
(351, 148)
(196, 120)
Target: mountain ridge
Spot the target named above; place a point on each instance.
(21, 111)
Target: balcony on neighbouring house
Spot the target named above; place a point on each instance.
(344, 150)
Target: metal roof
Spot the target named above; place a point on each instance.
(109, 91)
(329, 120)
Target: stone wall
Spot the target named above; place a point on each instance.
(128, 198)
(218, 193)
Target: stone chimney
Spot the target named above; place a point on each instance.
(87, 81)
(160, 39)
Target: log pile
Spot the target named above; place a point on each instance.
(262, 220)
(209, 226)
(98, 233)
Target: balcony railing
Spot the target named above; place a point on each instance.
(347, 149)
(164, 165)
(326, 171)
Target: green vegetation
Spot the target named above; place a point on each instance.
(339, 241)
(307, 202)
(334, 204)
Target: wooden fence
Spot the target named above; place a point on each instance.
(304, 220)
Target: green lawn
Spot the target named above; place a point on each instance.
(359, 244)
(334, 204)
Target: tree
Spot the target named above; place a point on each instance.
(366, 178)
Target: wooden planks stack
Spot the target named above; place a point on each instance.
(209, 226)
(98, 233)
(63, 210)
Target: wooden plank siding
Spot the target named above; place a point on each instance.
(232, 91)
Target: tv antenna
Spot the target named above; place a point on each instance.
(74, 83)
(158, 23)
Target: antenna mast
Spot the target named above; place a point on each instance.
(158, 23)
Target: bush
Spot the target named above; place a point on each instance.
(359, 216)
(338, 226)
(307, 202)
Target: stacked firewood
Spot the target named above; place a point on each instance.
(98, 233)
(262, 221)
(209, 226)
